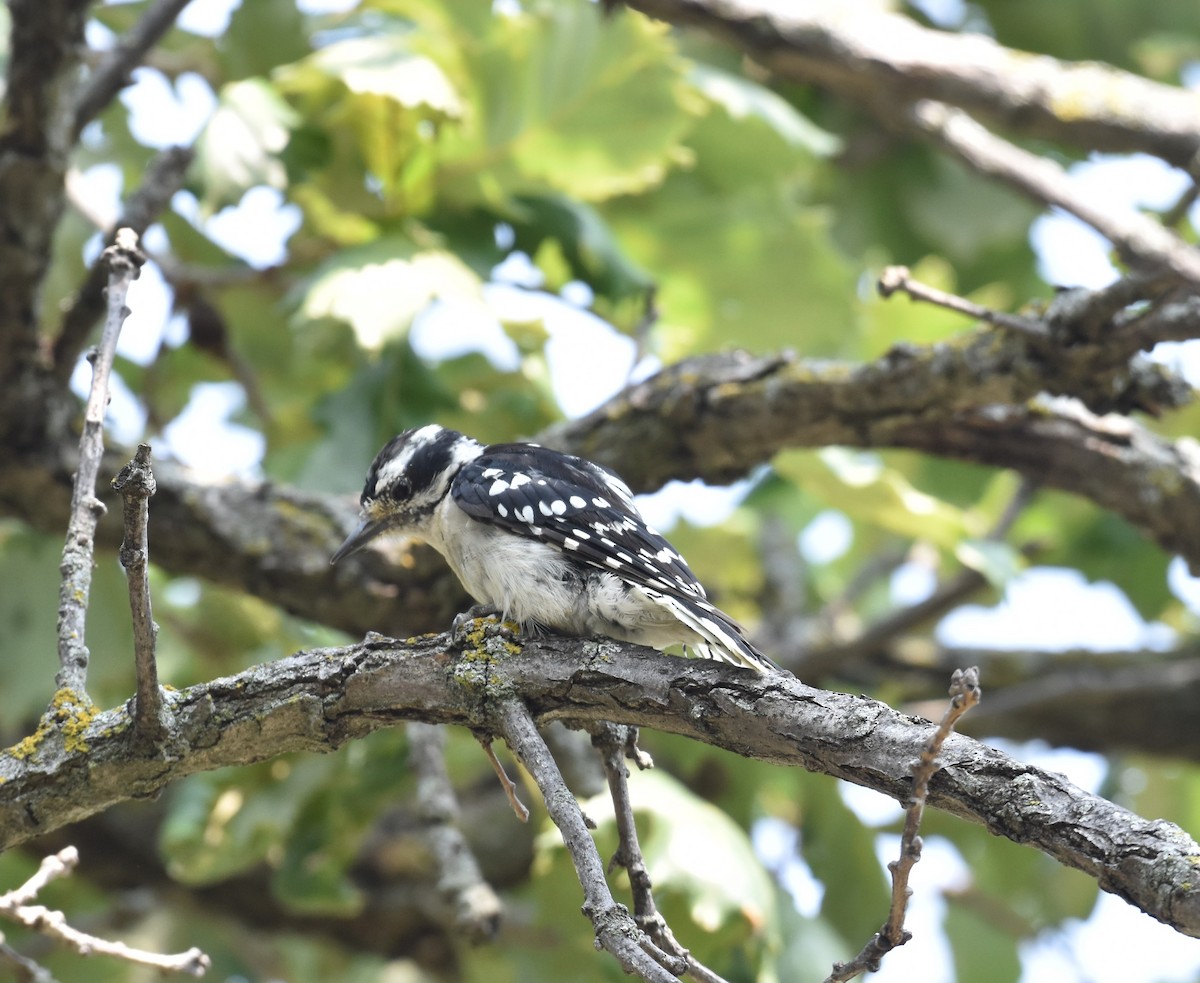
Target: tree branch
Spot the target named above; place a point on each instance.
(615, 929)
(44, 49)
(112, 74)
(17, 906)
(1139, 239)
(163, 177)
(123, 260)
(964, 694)
(879, 59)
(315, 701)
(475, 909)
(135, 484)
(615, 744)
(714, 417)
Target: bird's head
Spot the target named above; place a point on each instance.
(407, 481)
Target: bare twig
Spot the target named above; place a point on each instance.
(1138, 238)
(112, 74)
(964, 693)
(124, 260)
(510, 789)
(898, 278)
(615, 930)
(475, 907)
(135, 483)
(163, 177)
(1178, 211)
(24, 970)
(16, 906)
(616, 743)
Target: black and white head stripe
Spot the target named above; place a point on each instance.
(589, 513)
(417, 462)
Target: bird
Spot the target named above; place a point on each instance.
(548, 540)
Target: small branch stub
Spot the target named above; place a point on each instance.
(135, 483)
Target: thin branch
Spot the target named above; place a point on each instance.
(24, 970)
(17, 907)
(899, 278)
(615, 744)
(135, 483)
(964, 693)
(1138, 238)
(123, 260)
(112, 74)
(1174, 215)
(475, 908)
(520, 810)
(163, 177)
(615, 930)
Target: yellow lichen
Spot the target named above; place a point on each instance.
(68, 714)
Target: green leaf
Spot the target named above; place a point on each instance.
(719, 260)
(998, 562)
(241, 144)
(752, 134)
(261, 35)
(860, 485)
(593, 254)
(599, 101)
(378, 288)
(841, 852)
(983, 952)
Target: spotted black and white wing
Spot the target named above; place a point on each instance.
(589, 513)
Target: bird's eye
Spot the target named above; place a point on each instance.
(401, 489)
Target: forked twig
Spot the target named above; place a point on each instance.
(16, 905)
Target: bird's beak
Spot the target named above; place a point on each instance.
(366, 530)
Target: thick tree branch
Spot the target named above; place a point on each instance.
(315, 701)
(713, 417)
(44, 51)
(880, 59)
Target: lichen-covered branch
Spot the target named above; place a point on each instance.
(315, 701)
